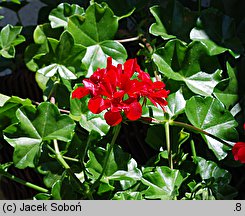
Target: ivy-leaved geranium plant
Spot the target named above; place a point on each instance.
(134, 107)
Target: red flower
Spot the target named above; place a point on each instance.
(113, 89)
(238, 151)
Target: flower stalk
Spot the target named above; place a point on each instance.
(167, 135)
(23, 182)
(114, 138)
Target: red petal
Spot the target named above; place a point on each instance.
(158, 85)
(98, 104)
(238, 151)
(80, 92)
(113, 118)
(130, 67)
(134, 111)
(241, 155)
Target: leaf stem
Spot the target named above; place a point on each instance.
(199, 6)
(167, 135)
(61, 160)
(129, 39)
(198, 130)
(23, 182)
(116, 132)
(193, 149)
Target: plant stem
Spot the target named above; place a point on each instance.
(198, 130)
(61, 160)
(116, 132)
(199, 6)
(128, 39)
(167, 135)
(23, 182)
(86, 149)
(193, 149)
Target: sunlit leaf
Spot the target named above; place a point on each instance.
(210, 115)
(9, 38)
(33, 128)
(163, 183)
(188, 64)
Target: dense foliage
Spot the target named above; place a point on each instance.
(140, 99)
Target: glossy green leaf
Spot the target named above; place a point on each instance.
(95, 31)
(210, 115)
(227, 90)
(118, 160)
(170, 18)
(133, 173)
(176, 104)
(188, 64)
(9, 38)
(3, 99)
(99, 24)
(96, 55)
(96, 123)
(59, 16)
(127, 195)
(8, 109)
(209, 170)
(163, 183)
(34, 127)
(65, 58)
(219, 35)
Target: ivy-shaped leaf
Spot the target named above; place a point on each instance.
(227, 90)
(9, 38)
(163, 183)
(95, 31)
(186, 63)
(217, 32)
(59, 16)
(35, 126)
(176, 104)
(128, 195)
(63, 58)
(210, 115)
(220, 186)
(170, 18)
(8, 107)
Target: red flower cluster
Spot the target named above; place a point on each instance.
(238, 150)
(114, 89)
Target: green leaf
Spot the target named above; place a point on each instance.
(95, 31)
(34, 127)
(118, 160)
(8, 109)
(96, 55)
(176, 104)
(9, 38)
(163, 183)
(219, 178)
(59, 16)
(3, 99)
(218, 33)
(210, 115)
(209, 169)
(128, 195)
(99, 24)
(64, 58)
(170, 18)
(132, 174)
(93, 122)
(186, 64)
(227, 90)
